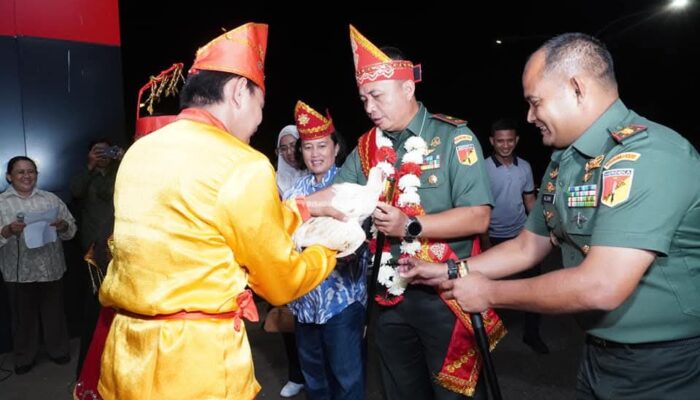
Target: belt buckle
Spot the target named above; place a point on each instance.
(599, 342)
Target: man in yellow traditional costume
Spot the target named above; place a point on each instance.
(197, 219)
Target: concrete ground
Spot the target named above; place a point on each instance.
(522, 373)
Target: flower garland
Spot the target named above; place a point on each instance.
(408, 202)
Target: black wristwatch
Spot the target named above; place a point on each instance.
(413, 228)
(452, 270)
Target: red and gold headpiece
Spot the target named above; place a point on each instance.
(161, 86)
(240, 51)
(310, 123)
(371, 64)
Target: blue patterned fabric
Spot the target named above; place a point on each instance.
(344, 286)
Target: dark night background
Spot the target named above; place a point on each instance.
(465, 73)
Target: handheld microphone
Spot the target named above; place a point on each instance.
(20, 218)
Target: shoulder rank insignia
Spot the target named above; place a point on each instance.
(450, 120)
(626, 132)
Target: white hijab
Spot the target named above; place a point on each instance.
(287, 175)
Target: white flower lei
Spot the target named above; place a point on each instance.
(408, 185)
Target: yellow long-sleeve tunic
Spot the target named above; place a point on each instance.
(197, 219)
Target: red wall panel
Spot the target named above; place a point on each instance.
(7, 18)
(91, 21)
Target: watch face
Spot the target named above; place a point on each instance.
(414, 228)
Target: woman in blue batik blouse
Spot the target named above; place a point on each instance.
(330, 318)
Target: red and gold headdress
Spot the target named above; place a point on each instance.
(240, 51)
(310, 123)
(371, 64)
(161, 86)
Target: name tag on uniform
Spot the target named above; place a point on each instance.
(582, 196)
(548, 198)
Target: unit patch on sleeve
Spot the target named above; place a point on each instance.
(466, 153)
(617, 184)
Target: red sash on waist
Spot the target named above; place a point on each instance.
(246, 309)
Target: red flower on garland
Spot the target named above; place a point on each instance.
(388, 300)
(411, 206)
(386, 154)
(410, 168)
(412, 210)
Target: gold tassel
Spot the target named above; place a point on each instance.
(162, 86)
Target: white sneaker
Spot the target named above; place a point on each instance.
(291, 389)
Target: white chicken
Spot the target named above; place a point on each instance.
(357, 202)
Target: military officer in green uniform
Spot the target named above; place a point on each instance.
(621, 199)
(414, 330)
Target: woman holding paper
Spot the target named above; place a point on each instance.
(32, 269)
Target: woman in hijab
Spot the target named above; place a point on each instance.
(288, 171)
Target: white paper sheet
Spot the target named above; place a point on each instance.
(38, 231)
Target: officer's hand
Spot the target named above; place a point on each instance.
(13, 228)
(471, 292)
(61, 225)
(420, 272)
(390, 220)
(319, 204)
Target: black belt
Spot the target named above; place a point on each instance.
(609, 344)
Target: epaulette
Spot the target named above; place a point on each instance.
(450, 120)
(630, 130)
